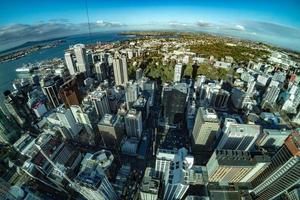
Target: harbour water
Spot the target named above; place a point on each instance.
(7, 69)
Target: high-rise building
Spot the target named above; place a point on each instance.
(134, 123)
(81, 58)
(50, 89)
(283, 173)
(86, 116)
(9, 130)
(174, 99)
(69, 93)
(164, 157)
(100, 101)
(92, 181)
(70, 63)
(205, 129)
(111, 130)
(100, 69)
(68, 121)
(239, 136)
(177, 72)
(273, 138)
(120, 70)
(131, 94)
(232, 166)
(138, 74)
(271, 95)
(150, 185)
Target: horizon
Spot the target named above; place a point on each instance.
(278, 25)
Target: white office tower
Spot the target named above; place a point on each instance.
(120, 70)
(68, 121)
(293, 101)
(177, 175)
(100, 101)
(150, 185)
(86, 115)
(271, 95)
(100, 71)
(133, 123)
(177, 72)
(199, 82)
(205, 129)
(239, 136)
(251, 87)
(70, 63)
(273, 138)
(164, 157)
(92, 181)
(131, 93)
(81, 58)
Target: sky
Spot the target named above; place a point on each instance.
(276, 22)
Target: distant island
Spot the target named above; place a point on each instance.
(28, 48)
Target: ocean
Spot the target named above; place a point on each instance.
(7, 69)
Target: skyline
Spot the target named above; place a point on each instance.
(276, 23)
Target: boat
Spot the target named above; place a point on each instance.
(25, 69)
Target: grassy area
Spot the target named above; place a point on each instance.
(220, 50)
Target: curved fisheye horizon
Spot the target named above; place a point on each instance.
(149, 100)
(274, 23)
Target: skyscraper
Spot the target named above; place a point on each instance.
(81, 58)
(177, 72)
(232, 166)
(131, 94)
(239, 136)
(111, 130)
(283, 173)
(271, 96)
(100, 69)
(133, 123)
(70, 63)
(99, 99)
(120, 70)
(205, 129)
(50, 89)
(9, 130)
(69, 93)
(149, 186)
(174, 102)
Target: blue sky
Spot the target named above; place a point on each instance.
(267, 21)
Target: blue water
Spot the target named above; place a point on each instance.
(7, 69)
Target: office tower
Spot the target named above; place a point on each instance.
(81, 58)
(120, 70)
(68, 121)
(69, 93)
(150, 185)
(111, 130)
(100, 69)
(177, 72)
(70, 63)
(148, 86)
(271, 95)
(138, 74)
(283, 172)
(296, 119)
(239, 136)
(174, 102)
(164, 157)
(205, 129)
(17, 107)
(131, 94)
(199, 82)
(100, 101)
(50, 89)
(233, 166)
(142, 104)
(86, 115)
(9, 130)
(92, 181)
(133, 123)
(175, 168)
(273, 138)
(293, 101)
(250, 87)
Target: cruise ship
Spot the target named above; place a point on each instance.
(25, 69)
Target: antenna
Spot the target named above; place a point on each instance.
(88, 18)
